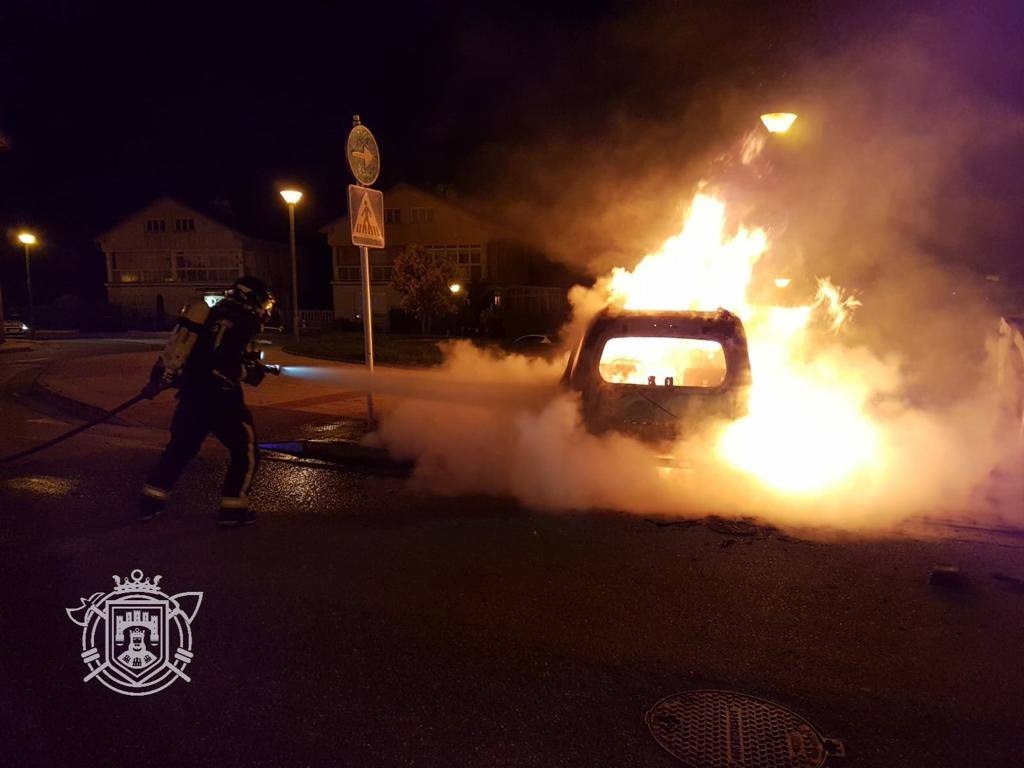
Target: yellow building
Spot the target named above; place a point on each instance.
(165, 254)
(484, 253)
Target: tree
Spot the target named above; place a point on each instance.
(424, 279)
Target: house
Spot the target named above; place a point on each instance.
(490, 261)
(167, 253)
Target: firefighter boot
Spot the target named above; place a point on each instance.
(234, 513)
(151, 503)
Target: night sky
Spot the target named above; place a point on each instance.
(110, 105)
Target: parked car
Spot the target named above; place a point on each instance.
(531, 341)
(15, 328)
(538, 345)
(660, 376)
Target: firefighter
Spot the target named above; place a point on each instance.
(210, 353)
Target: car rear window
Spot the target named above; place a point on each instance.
(663, 361)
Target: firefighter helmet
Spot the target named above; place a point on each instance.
(254, 294)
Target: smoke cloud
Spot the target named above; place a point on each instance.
(901, 181)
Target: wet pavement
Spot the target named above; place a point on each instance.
(364, 623)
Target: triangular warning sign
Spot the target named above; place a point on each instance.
(366, 224)
(366, 216)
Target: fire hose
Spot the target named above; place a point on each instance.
(274, 370)
(71, 433)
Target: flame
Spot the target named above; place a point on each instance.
(696, 269)
(809, 429)
(753, 145)
(839, 305)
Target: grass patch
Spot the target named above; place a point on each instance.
(398, 349)
(388, 349)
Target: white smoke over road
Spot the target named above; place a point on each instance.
(925, 461)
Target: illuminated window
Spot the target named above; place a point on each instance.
(663, 361)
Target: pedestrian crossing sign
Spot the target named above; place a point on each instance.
(366, 216)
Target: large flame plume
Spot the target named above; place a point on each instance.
(809, 428)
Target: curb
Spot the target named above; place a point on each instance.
(41, 398)
(344, 453)
(43, 389)
(57, 334)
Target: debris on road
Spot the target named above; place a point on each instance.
(1010, 583)
(743, 527)
(947, 576)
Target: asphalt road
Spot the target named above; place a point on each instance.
(361, 623)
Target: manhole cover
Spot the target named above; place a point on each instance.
(721, 729)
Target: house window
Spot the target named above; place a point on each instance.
(156, 225)
(141, 267)
(206, 266)
(184, 225)
(392, 215)
(347, 267)
(468, 260)
(382, 268)
(421, 215)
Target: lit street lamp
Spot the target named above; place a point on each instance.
(455, 288)
(292, 196)
(28, 240)
(778, 122)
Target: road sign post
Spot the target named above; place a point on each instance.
(364, 264)
(366, 222)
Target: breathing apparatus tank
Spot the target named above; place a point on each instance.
(183, 338)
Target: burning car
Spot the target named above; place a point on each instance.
(658, 375)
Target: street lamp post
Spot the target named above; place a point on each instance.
(28, 240)
(3, 338)
(292, 196)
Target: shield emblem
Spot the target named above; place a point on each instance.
(136, 636)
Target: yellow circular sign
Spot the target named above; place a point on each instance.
(363, 155)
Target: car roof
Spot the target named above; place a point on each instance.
(719, 321)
